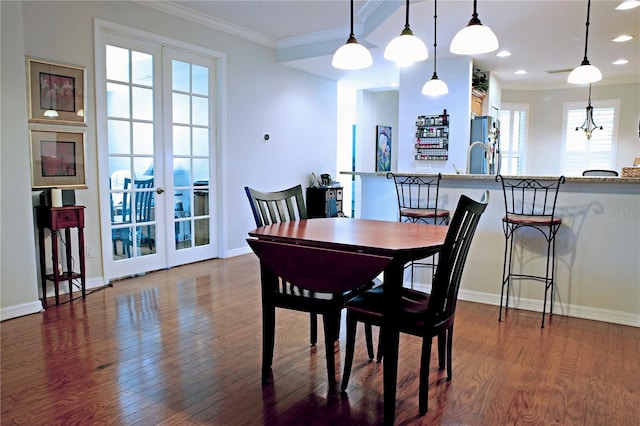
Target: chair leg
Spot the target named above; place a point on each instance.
(380, 352)
(369, 340)
(313, 328)
(351, 344)
(423, 394)
(331, 322)
(442, 342)
(548, 282)
(449, 353)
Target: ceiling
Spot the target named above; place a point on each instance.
(542, 36)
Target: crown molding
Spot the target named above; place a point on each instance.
(209, 21)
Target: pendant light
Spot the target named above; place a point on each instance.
(589, 126)
(352, 55)
(585, 73)
(475, 38)
(406, 49)
(435, 86)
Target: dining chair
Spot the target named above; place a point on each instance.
(418, 198)
(282, 206)
(599, 172)
(425, 315)
(331, 276)
(142, 210)
(530, 204)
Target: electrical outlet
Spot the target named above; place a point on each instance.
(89, 251)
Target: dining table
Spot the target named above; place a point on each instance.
(402, 242)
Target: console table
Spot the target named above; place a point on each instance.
(56, 219)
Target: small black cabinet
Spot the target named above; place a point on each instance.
(324, 201)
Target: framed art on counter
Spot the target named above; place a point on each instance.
(57, 160)
(56, 93)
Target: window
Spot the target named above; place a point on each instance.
(580, 153)
(513, 138)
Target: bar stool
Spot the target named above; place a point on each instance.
(418, 197)
(530, 203)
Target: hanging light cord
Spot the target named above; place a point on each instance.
(406, 25)
(474, 18)
(351, 35)
(585, 61)
(435, 35)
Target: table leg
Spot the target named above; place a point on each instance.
(83, 280)
(43, 265)
(393, 278)
(55, 260)
(269, 281)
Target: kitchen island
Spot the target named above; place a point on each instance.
(598, 245)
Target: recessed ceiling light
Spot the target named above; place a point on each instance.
(503, 53)
(620, 62)
(520, 72)
(628, 4)
(622, 38)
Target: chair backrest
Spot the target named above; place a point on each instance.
(143, 200)
(318, 269)
(530, 197)
(452, 258)
(599, 172)
(275, 207)
(416, 192)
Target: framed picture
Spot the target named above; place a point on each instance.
(57, 160)
(383, 148)
(56, 93)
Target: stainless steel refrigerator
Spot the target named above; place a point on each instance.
(483, 156)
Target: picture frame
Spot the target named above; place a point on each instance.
(383, 148)
(56, 92)
(57, 159)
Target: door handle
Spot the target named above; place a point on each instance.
(159, 191)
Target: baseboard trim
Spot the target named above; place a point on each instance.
(20, 310)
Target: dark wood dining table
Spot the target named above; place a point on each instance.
(402, 242)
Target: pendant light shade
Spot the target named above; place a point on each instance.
(589, 126)
(585, 73)
(352, 55)
(406, 49)
(475, 38)
(435, 86)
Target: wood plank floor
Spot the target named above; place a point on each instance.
(183, 347)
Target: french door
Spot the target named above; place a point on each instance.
(155, 109)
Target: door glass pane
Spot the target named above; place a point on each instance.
(142, 69)
(118, 136)
(181, 140)
(118, 64)
(201, 232)
(143, 167)
(181, 109)
(183, 234)
(201, 142)
(143, 138)
(121, 240)
(180, 76)
(117, 100)
(142, 104)
(200, 203)
(200, 111)
(200, 170)
(181, 172)
(200, 83)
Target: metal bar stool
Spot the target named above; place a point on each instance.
(530, 203)
(418, 197)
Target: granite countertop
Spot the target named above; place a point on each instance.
(577, 179)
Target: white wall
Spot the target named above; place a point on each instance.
(456, 72)
(545, 122)
(296, 108)
(18, 272)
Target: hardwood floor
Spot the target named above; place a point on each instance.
(183, 347)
